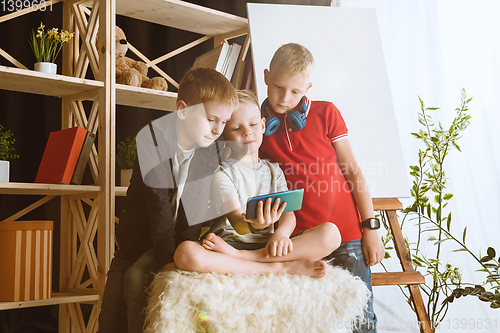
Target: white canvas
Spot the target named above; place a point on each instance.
(349, 71)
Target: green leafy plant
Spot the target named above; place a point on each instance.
(7, 145)
(432, 220)
(126, 153)
(47, 45)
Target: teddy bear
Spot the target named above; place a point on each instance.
(132, 72)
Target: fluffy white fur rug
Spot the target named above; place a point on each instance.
(183, 301)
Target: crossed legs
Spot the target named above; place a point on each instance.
(215, 255)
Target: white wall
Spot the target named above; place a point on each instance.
(351, 75)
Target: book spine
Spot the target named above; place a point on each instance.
(222, 57)
(83, 159)
(247, 80)
(233, 58)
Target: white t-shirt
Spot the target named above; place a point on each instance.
(180, 165)
(244, 180)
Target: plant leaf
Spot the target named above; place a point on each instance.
(485, 259)
(442, 240)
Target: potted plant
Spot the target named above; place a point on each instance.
(6, 152)
(125, 157)
(46, 46)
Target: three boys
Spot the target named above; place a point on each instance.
(314, 133)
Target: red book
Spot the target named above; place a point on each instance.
(60, 156)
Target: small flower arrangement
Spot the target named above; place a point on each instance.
(47, 45)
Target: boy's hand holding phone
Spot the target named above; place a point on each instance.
(266, 215)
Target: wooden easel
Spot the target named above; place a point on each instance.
(408, 276)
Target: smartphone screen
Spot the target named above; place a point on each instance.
(293, 199)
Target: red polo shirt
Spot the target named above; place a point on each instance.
(309, 161)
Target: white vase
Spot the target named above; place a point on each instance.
(46, 67)
(4, 171)
(125, 176)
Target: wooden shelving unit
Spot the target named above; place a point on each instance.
(145, 98)
(87, 238)
(181, 15)
(28, 81)
(57, 298)
(47, 189)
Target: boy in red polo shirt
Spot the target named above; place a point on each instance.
(309, 140)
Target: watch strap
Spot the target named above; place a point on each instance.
(368, 223)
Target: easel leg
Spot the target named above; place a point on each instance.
(424, 322)
(405, 260)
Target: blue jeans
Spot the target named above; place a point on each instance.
(349, 255)
(125, 296)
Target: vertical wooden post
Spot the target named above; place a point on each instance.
(66, 230)
(404, 258)
(106, 132)
(217, 41)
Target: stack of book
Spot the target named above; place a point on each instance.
(65, 156)
(223, 59)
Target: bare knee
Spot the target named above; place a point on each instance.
(188, 257)
(331, 238)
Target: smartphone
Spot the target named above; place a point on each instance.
(293, 199)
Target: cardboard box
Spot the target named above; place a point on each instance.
(25, 260)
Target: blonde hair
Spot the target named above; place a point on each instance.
(294, 57)
(201, 85)
(247, 96)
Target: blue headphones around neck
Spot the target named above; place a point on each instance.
(296, 118)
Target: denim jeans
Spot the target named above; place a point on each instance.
(125, 296)
(349, 255)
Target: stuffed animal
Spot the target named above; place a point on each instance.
(132, 72)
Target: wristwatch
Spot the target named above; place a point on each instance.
(371, 223)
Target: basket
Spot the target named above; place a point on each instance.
(25, 260)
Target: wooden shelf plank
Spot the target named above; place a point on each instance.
(397, 278)
(57, 298)
(28, 81)
(120, 191)
(181, 15)
(387, 204)
(145, 98)
(47, 189)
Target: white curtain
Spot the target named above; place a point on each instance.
(433, 49)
